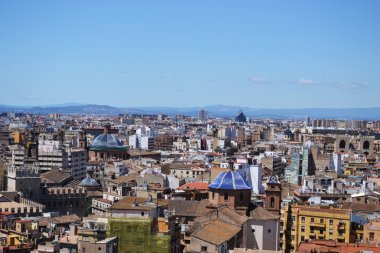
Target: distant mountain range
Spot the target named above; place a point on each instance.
(213, 110)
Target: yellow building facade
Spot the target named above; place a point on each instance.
(18, 137)
(371, 232)
(314, 223)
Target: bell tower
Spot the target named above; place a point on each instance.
(83, 139)
(273, 195)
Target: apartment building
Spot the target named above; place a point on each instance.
(309, 223)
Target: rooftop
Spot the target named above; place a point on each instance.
(194, 186)
(132, 203)
(230, 180)
(261, 213)
(106, 141)
(54, 176)
(89, 182)
(216, 232)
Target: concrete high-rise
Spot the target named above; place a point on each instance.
(202, 115)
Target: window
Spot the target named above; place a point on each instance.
(293, 218)
(302, 229)
(142, 213)
(203, 249)
(312, 220)
(302, 219)
(321, 221)
(331, 231)
(269, 230)
(372, 236)
(302, 238)
(331, 222)
(213, 195)
(225, 196)
(272, 202)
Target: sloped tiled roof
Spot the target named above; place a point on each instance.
(224, 214)
(359, 207)
(194, 186)
(54, 176)
(64, 219)
(261, 213)
(195, 227)
(189, 208)
(216, 232)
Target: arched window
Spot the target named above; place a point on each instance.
(272, 202)
(366, 145)
(342, 144)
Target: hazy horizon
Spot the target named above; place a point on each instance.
(179, 107)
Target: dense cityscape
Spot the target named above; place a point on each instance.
(197, 126)
(159, 183)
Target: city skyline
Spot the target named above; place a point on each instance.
(255, 54)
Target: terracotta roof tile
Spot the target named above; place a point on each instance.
(189, 208)
(216, 232)
(261, 213)
(64, 219)
(194, 186)
(54, 176)
(224, 214)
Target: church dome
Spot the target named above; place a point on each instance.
(106, 141)
(89, 182)
(230, 180)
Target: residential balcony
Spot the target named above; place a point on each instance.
(342, 227)
(316, 224)
(341, 236)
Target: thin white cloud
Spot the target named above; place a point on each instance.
(304, 81)
(352, 85)
(259, 80)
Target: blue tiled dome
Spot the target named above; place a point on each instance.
(106, 141)
(230, 180)
(88, 181)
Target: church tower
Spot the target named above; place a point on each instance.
(273, 195)
(83, 139)
(230, 189)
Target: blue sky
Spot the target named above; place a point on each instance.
(262, 54)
